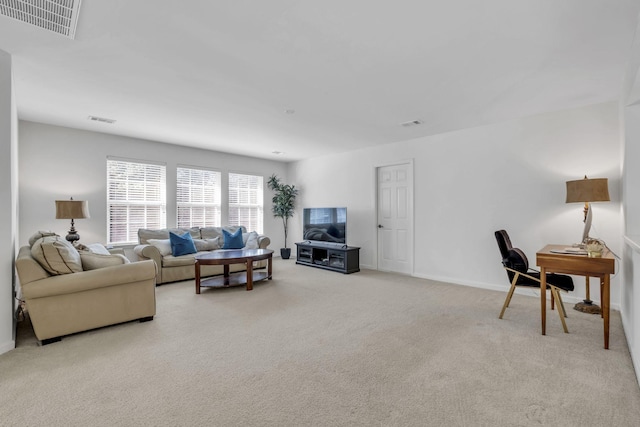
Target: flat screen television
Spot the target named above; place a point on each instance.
(325, 224)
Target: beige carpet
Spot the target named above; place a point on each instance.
(317, 348)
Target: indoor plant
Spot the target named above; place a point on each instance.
(284, 199)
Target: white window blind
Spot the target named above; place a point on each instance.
(246, 201)
(136, 198)
(198, 198)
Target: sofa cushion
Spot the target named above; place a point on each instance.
(182, 245)
(213, 232)
(144, 234)
(207, 244)
(56, 255)
(232, 240)
(250, 240)
(93, 261)
(179, 261)
(39, 235)
(163, 245)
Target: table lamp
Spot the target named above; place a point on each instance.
(585, 191)
(72, 209)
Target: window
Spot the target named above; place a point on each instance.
(245, 201)
(135, 199)
(198, 198)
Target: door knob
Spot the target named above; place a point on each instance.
(380, 226)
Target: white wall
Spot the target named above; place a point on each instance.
(630, 126)
(472, 182)
(8, 208)
(58, 163)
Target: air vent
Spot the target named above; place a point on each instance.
(411, 123)
(59, 16)
(101, 119)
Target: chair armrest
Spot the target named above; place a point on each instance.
(92, 279)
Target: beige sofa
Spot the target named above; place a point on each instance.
(63, 304)
(154, 246)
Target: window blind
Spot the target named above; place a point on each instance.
(246, 201)
(198, 197)
(136, 198)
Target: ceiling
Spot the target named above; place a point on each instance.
(305, 78)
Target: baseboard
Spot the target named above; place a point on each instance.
(7, 346)
(567, 298)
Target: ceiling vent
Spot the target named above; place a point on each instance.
(59, 16)
(101, 119)
(411, 123)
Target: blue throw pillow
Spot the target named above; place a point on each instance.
(181, 245)
(233, 241)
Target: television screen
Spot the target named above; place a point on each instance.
(325, 224)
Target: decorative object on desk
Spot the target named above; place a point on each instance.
(284, 200)
(594, 248)
(587, 190)
(72, 209)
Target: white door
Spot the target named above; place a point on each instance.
(395, 218)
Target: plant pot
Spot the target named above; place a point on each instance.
(285, 253)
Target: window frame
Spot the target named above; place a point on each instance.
(258, 226)
(217, 194)
(150, 187)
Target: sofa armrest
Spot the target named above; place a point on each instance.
(29, 270)
(92, 279)
(145, 252)
(148, 252)
(263, 241)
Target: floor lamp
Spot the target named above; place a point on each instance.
(72, 209)
(586, 191)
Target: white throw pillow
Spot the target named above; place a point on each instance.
(93, 261)
(250, 240)
(163, 245)
(207, 244)
(56, 255)
(98, 248)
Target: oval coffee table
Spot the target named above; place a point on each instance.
(234, 256)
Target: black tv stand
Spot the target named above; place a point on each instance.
(329, 256)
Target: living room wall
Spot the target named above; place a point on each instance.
(471, 182)
(9, 207)
(58, 163)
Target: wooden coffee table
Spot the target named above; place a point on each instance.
(234, 256)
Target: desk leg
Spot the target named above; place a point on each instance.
(605, 308)
(543, 299)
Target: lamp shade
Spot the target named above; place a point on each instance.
(588, 190)
(72, 209)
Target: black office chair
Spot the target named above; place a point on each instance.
(517, 266)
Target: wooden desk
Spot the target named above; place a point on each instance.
(580, 265)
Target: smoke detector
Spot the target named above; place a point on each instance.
(101, 119)
(411, 123)
(58, 16)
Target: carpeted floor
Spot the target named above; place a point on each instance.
(317, 348)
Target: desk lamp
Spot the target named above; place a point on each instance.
(72, 209)
(584, 191)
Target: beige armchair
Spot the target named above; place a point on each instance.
(64, 304)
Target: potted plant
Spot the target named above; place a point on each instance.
(284, 200)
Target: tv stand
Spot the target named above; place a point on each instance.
(329, 256)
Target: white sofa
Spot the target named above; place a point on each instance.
(153, 244)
